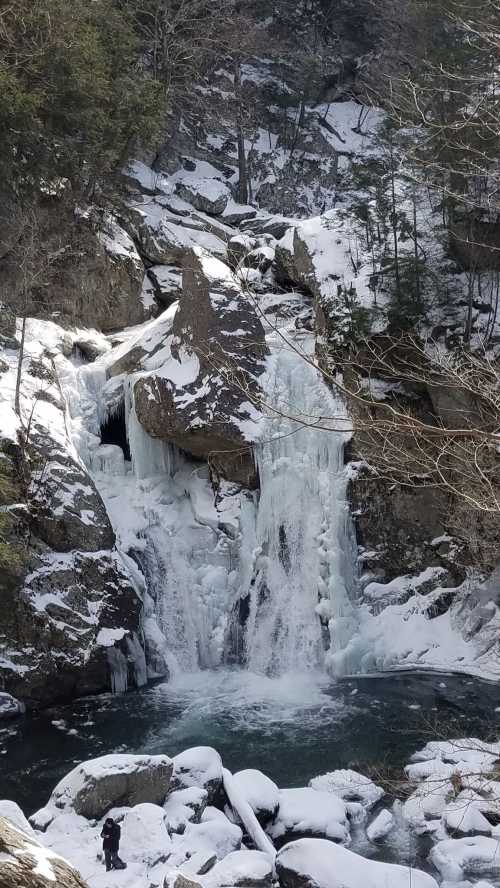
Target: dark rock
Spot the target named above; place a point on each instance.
(94, 787)
(20, 855)
(220, 340)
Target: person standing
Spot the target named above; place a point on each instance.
(110, 835)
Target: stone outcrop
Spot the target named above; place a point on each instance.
(96, 278)
(67, 600)
(206, 400)
(25, 863)
(112, 781)
(207, 195)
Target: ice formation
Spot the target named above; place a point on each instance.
(304, 556)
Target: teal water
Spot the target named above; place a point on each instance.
(291, 728)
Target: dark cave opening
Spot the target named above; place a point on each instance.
(114, 431)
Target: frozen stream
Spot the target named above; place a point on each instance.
(292, 728)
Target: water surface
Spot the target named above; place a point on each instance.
(291, 728)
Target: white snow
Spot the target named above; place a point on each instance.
(199, 767)
(380, 826)
(475, 856)
(326, 865)
(260, 792)
(350, 786)
(310, 811)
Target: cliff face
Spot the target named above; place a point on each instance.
(165, 298)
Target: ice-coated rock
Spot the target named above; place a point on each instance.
(94, 787)
(199, 767)
(350, 786)
(26, 863)
(10, 707)
(317, 863)
(310, 812)
(248, 869)
(474, 856)
(261, 793)
(381, 826)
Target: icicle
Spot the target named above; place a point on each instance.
(118, 667)
(150, 456)
(137, 657)
(108, 458)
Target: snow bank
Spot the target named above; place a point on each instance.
(317, 863)
(311, 812)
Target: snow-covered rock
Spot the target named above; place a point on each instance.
(463, 816)
(199, 767)
(215, 836)
(183, 806)
(144, 834)
(10, 707)
(201, 398)
(310, 812)
(241, 868)
(12, 812)
(317, 863)
(207, 195)
(350, 786)
(425, 807)
(96, 786)
(381, 826)
(26, 863)
(474, 856)
(260, 791)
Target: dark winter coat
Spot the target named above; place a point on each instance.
(111, 837)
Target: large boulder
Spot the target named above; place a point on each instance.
(260, 792)
(199, 767)
(25, 863)
(352, 787)
(96, 786)
(210, 196)
(242, 869)
(205, 398)
(316, 863)
(309, 812)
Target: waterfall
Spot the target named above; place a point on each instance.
(300, 611)
(275, 595)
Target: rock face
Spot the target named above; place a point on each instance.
(97, 278)
(68, 602)
(205, 403)
(96, 786)
(25, 863)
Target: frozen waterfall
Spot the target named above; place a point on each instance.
(267, 581)
(300, 612)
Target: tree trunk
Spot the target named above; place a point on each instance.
(17, 399)
(240, 137)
